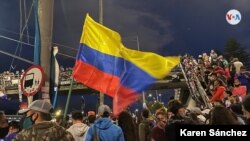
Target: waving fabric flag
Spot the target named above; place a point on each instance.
(103, 63)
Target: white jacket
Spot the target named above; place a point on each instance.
(78, 130)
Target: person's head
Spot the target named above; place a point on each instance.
(195, 110)
(218, 82)
(91, 119)
(104, 111)
(59, 119)
(246, 106)
(91, 113)
(220, 57)
(3, 125)
(222, 116)
(14, 126)
(161, 119)
(176, 108)
(218, 103)
(3, 120)
(243, 68)
(124, 119)
(145, 113)
(212, 76)
(38, 111)
(236, 82)
(236, 108)
(77, 116)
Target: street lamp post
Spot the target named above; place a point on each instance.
(160, 97)
(156, 95)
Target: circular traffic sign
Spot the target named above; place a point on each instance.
(32, 80)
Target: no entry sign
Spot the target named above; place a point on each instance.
(32, 80)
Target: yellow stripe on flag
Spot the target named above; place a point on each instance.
(107, 41)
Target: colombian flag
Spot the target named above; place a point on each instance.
(103, 63)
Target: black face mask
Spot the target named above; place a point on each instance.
(237, 85)
(3, 132)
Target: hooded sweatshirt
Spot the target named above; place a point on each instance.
(106, 131)
(45, 131)
(78, 130)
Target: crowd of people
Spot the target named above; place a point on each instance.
(226, 84)
(37, 125)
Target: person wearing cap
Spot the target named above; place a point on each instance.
(38, 125)
(103, 129)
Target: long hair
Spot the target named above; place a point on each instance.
(126, 122)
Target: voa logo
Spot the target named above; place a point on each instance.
(233, 17)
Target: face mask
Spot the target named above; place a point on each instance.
(237, 85)
(28, 122)
(3, 132)
(182, 115)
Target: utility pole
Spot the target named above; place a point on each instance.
(45, 18)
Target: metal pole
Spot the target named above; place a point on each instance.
(37, 44)
(101, 22)
(144, 104)
(56, 75)
(143, 93)
(157, 95)
(55, 97)
(68, 99)
(17, 57)
(138, 44)
(100, 12)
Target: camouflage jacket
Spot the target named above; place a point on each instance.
(45, 131)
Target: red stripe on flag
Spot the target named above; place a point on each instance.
(123, 99)
(95, 79)
(105, 83)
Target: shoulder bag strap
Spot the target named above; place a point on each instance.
(96, 137)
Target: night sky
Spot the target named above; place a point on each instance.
(166, 27)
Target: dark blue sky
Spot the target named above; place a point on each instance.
(167, 27)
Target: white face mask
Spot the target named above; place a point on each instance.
(182, 114)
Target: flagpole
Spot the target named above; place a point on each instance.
(68, 99)
(143, 93)
(101, 22)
